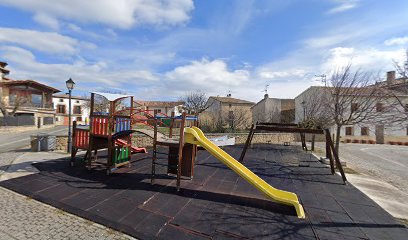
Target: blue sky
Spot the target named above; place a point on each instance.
(161, 49)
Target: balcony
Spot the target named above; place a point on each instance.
(48, 106)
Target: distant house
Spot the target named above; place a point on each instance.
(79, 109)
(232, 112)
(274, 110)
(31, 101)
(156, 107)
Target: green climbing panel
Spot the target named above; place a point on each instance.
(121, 154)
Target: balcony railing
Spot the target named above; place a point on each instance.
(33, 105)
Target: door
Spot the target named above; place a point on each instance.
(379, 134)
(66, 121)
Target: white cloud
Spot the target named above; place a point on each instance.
(88, 76)
(343, 5)
(118, 13)
(48, 42)
(212, 76)
(396, 41)
(46, 20)
(368, 59)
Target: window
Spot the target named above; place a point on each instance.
(354, 107)
(77, 110)
(61, 100)
(79, 119)
(56, 119)
(36, 99)
(60, 108)
(156, 111)
(12, 98)
(230, 105)
(349, 131)
(364, 131)
(379, 107)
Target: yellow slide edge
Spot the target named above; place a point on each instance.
(195, 136)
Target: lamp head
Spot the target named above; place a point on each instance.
(70, 84)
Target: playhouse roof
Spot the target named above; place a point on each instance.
(112, 96)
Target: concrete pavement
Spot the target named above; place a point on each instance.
(25, 218)
(17, 140)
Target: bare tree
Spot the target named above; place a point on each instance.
(237, 118)
(195, 102)
(402, 69)
(16, 104)
(351, 99)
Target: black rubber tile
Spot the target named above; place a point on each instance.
(179, 233)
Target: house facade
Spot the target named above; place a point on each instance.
(160, 107)
(231, 112)
(274, 110)
(385, 123)
(79, 109)
(29, 101)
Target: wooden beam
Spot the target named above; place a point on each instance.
(289, 129)
(336, 156)
(277, 124)
(247, 143)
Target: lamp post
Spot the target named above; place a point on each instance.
(70, 85)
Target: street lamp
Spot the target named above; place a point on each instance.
(70, 85)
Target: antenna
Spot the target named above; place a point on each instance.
(322, 79)
(265, 89)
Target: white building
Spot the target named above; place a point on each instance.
(380, 127)
(274, 110)
(79, 109)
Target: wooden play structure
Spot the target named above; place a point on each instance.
(294, 128)
(180, 155)
(111, 130)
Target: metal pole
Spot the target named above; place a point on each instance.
(69, 123)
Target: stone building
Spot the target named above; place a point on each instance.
(274, 110)
(29, 101)
(232, 112)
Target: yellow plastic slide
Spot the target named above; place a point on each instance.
(195, 136)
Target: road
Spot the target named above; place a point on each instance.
(388, 163)
(12, 141)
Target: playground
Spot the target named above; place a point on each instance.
(190, 187)
(217, 203)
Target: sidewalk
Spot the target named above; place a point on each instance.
(26, 218)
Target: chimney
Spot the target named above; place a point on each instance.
(390, 77)
(3, 70)
(266, 96)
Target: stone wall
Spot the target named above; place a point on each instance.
(240, 138)
(141, 140)
(62, 143)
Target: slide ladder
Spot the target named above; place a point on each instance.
(195, 136)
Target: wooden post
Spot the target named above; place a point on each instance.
(74, 143)
(328, 152)
(90, 144)
(171, 125)
(180, 150)
(154, 157)
(247, 142)
(110, 142)
(336, 157)
(313, 143)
